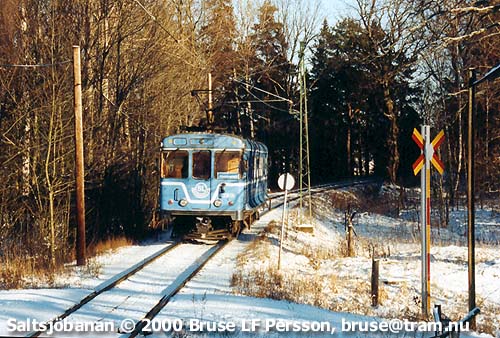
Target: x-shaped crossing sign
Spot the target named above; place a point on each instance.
(428, 150)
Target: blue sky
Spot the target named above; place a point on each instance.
(335, 9)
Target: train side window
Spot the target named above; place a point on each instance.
(227, 162)
(174, 164)
(255, 166)
(243, 168)
(201, 164)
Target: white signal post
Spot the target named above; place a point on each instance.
(423, 164)
(426, 297)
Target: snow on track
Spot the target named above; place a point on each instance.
(136, 295)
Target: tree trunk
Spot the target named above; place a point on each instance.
(366, 152)
(348, 143)
(26, 156)
(392, 140)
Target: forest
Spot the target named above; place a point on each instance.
(371, 78)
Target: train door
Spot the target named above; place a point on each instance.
(174, 171)
(200, 185)
(227, 174)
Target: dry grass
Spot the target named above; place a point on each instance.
(341, 199)
(271, 283)
(18, 271)
(369, 199)
(315, 252)
(489, 319)
(13, 272)
(110, 244)
(259, 248)
(322, 290)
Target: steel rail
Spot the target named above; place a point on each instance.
(109, 284)
(197, 265)
(322, 188)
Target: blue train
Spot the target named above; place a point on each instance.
(211, 184)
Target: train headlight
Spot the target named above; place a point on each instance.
(170, 202)
(183, 202)
(230, 202)
(217, 203)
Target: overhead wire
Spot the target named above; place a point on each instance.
(138, 123)
(41, 65)
(267, 68)
(267, 104)
(166, 31)
(263, 91)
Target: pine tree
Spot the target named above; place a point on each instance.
(217, 38)
(348, 96)
(271, 73)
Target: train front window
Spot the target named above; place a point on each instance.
(227, 164)
(174, 164)
(201, 164)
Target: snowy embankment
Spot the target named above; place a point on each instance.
(339, 285)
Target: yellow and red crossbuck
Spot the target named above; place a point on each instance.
(419, 163)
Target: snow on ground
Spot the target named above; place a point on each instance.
(345, 281)
(143, 289)
(340, 285)
(44, 304)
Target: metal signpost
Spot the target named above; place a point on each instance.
(489, 76)
(285, 182)
(427, 156)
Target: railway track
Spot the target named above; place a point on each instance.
(182, 278)
(178, 280)
(181, 283)
(321, 188)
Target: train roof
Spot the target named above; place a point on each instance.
(210, 140)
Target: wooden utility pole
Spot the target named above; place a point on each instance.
(374, 281)
(238, 115)
(350, 228)
(249, 106)
(210, 114)
(470, 193)
(79, 172)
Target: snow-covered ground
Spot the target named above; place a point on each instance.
(342, 284)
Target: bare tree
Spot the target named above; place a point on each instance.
(396, 45)
(462, 36)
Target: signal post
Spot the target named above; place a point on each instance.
(423, 165)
